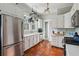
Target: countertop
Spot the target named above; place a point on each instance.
(72, 50)
(29, 34)
(71, 46)
(71, 41)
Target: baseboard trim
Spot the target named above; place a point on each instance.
(57, 47)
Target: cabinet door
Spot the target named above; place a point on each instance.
(31, 41)
(26, 43)
(35, 39)
(53, 23)
(60, 44)
(60, 22)
(67, 21)
(38, 38)
(54, 41)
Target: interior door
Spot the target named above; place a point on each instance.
(46, 30)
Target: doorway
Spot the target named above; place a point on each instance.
(46, 30)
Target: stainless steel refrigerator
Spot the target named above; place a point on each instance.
(0, 35)
(12, 36)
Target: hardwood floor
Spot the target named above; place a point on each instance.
(44, 48)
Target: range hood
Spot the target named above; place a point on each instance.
(75, 19)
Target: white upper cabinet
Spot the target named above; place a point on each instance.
(60, 21)
(67, 21)
(53, 23)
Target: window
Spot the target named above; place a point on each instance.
(26, 25)
(31, 27)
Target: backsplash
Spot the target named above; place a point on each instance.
(77, 30)
(68, 32)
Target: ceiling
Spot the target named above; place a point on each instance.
(54, 8)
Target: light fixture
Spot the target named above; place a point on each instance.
(32, 13)
(47, 10)
(33, 16)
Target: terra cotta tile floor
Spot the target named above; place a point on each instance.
(44, 48)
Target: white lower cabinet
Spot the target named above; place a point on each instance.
(35, 39)
(26, 43)
(57, 41)
(30, 41)
(60, 42)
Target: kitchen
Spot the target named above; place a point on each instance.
(64, 28)
(33, 26)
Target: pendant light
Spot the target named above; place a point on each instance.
(47, 10)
